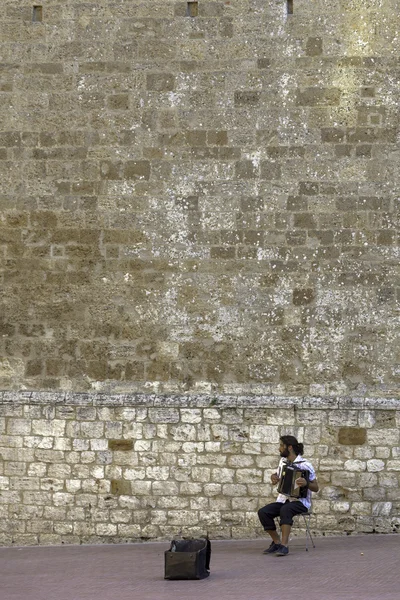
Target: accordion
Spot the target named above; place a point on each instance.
(287, 482)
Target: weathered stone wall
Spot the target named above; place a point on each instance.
(196, 205)
(200, 203)
(90, 468)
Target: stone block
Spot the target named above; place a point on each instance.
(191, 415)
(164, 488)
(393, 465)
(264, 433)
(375, 465)
(346, 523)
(303, 297)
(50, 456)
(355, 465)
(246, 448)
(134, 475)
(210, 518)
(362, 135)
(340, 507)
(55, 427)
(312, 435)
(352, 436)
(120, 445)
(385, 419)
(234, 489)
(129, 531)
(366, 419)
(158, 473)
(270, 170)
(182, 517)
(362, 452)
(247, 98)
(263, 63)
(217, 138)
(106, 529)
(214, 447)
(113, 430)
(212, 489)
(297, 204)
(211, 415)
(137, 170)
(133, 430)
(322, 507)
(140, 488)
(318, 96)
(19, 426)
(382, 452)
(164, 415)
(97, 445)
(219, 252)
(52, 485)
(343, 417)
(13, 441)
(243, 461)
(376, 436)
(249, 476)
(304, 221)
(344, 479)
(191, 447)
(190, 489)
(202, 474)
(160, 82)
(332, 135)
(223, 475)
(245, 169)
(367, 480)
(388, 480)
(314, 46)
(185, 432)
(196, 137)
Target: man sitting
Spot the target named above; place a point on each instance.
(286, 508)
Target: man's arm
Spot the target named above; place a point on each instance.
(312, 485)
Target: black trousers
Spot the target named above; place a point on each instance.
(285, 511)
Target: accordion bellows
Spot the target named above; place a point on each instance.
(287, 483)
(188, 559)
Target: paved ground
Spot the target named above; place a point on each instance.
(343, 568)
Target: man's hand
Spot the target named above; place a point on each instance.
(301, 482)
(274, 478)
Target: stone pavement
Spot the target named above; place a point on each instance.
(340, 568)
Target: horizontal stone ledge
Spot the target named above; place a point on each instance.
(222, 401)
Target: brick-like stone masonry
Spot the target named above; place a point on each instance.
(80, 468)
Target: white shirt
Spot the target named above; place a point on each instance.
(307, 466)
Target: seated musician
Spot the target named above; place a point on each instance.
(286, 508)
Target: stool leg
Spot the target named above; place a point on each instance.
(308, 531)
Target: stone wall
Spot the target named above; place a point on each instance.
(198, 200)
(82, 468)
(204, 203)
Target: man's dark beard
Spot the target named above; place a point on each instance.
(284, 453)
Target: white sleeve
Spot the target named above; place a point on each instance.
(312, 472)
(280, 467)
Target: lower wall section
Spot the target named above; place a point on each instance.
(89, 468)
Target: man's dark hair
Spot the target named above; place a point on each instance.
(290, 440)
